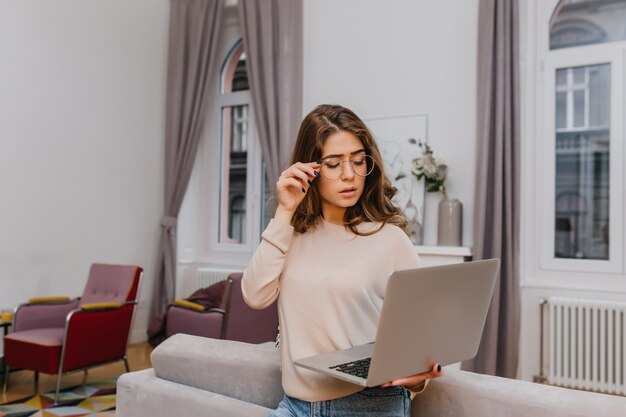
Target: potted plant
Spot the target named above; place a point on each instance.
(450, 211)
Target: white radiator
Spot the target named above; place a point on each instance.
(208, 276)
(586, 346)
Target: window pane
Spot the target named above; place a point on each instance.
(561, 77)
(579, 75)
(269, 201)
(582, 169)
(239, 122)
(579, 108)
(232, 225)
(561, 108)
(599, 92)
(237, 220)
(586, 22)
(240, 78)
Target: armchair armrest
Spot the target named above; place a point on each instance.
(49, 300)
(42, 315)
(235, 369)
(189, 304)
(100, 306)
(206, 323)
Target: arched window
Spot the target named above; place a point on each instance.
(236, 140)
(587, 22)
(581, 151)
(223, 214)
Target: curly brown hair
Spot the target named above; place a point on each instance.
(375, 203)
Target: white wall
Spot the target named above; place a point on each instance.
(402, 57)
(82, 98)
(82, 102)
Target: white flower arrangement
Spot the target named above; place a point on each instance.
(427, 167)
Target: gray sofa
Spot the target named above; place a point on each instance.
(195, 376)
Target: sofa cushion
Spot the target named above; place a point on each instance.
(36, 349)
(239, 370)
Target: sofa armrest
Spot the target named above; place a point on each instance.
(238, 370)
(466, 394)
(142, 394)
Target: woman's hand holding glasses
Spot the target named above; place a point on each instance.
(292, 186)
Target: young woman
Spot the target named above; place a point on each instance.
(326, 255)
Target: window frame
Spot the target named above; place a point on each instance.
(546, 155)
(254, 166)
(534, 49)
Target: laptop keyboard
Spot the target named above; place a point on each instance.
(358, 368)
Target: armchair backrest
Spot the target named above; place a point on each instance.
(111, 283)
(94, 337)
(243, 323)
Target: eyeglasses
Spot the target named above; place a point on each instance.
(362, 165)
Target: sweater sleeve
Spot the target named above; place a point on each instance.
(406, 254)
(261, 277)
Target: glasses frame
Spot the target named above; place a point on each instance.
(369, 160)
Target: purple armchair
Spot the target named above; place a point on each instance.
(57, 336)
(234, 320)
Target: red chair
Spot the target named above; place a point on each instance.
(234, 320)
(57, 336)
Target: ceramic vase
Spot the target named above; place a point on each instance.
(450, 222)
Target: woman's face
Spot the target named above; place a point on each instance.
(344, 191)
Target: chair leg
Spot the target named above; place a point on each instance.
(126, 364)
(7, 370)
(84, 376)
(56, 394)
(36, 382)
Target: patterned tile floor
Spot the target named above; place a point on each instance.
(96, 399)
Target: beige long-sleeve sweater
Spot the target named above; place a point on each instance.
(330, 285)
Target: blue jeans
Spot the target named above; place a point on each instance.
(371, 402)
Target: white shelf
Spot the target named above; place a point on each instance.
(443, 255)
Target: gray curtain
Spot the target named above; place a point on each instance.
(497, 198)
(194, 27)
(272, 37)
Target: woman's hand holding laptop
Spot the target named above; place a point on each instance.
(415, 382)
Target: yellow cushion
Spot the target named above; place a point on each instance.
(189, 304)
(40, 300)
(99, 306)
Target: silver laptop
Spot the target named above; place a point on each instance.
(429, 315)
